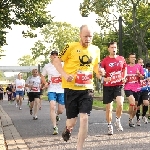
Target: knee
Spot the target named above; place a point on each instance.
(84, 118)
(146, 103)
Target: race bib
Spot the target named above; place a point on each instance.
(34, 89)
(56, 80)
(143, 83)
(20, 87)
(116, 77)
(83, 78)
(132, 79)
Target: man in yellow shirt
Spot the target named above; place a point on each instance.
(80, 60)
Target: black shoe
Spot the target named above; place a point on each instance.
(31, 112)
(66, 135)
(149, 117)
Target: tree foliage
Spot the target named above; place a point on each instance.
(27, 60)
(22, 12)
(135, 13)
(55, 36)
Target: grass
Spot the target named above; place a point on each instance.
(100, 104)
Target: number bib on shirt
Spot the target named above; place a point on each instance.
(19, 87)
(143, 83)
(34, 89)
(132, 79)
(56, 80)
(116, 77)
(83, 78)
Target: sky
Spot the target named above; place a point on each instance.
(63, 10)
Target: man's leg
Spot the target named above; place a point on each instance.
(131, 110)
(145, 109)
(35, 108)
(61, 105)
(119, 108)
(83, 129)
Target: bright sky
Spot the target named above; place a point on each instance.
(63, 10)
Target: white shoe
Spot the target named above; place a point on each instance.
(138, 123)
(16, 105)
(118, 126)
(110, 130)
(145, 120)
(20, 108)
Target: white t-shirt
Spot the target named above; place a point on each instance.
(53, 77)
(18, 83)
(35, 82)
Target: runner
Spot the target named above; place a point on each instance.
(1, 92)
(114, 67)
(55, 91)
(9, 92)
(34, 83)
(132, 86)
(20, 85)
(80, 59)
(144, 97)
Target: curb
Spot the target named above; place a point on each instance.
(11, 138)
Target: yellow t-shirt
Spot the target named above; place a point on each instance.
(78, 58)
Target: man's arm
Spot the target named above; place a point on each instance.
(58, 66)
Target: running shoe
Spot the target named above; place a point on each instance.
(66, 135)
(145, 120)
(131, 124)
(55, 131)
(110, 130)
(118, 126)
(138, 123)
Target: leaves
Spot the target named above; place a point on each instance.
(27, 60)
(22, 12)
(135, 13)
(55, 36)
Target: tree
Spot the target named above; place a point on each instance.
(137, 19)
(27, 60)
(22, 12)
(2, 75)
(55, 36)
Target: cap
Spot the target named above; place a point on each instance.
(54, 52)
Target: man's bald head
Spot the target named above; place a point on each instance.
(86, 35)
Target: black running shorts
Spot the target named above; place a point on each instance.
(136, 95)
(78, 101)
(111, 92)
(143, 96)
(33, 95)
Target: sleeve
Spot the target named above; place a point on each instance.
(124, 63)
(44, 71)
(65, 53)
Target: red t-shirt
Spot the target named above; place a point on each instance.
(114, 68)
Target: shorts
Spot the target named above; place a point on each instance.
(33, 95)
(20, 93)
(78, 101)
(136, 95)
(143, 96)
(58, 97)
(14, 94)
(111, 92)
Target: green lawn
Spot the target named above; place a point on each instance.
(100, 104)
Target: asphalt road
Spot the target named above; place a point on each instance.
(37, 134)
